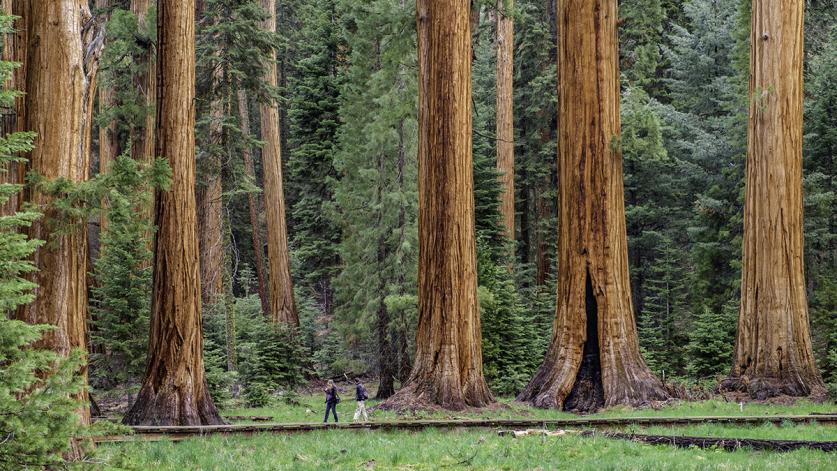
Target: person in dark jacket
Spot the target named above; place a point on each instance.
(331, 399)
(361, 397)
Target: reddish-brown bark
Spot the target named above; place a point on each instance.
(61, 60)
(773, 353)
(505, 111)
(448, 366)
(174, 391)
(253, 203)
(594, 357)
(282, 303)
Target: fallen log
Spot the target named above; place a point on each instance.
(729, 444)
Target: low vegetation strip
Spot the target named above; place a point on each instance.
(177, 432)
(730, 444)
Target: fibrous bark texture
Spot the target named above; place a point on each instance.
(282, 304)
(253, 202)
(62, 49)
(448, 367)
(594, 357)
(174, 391)
(773, 353)
(505, 111)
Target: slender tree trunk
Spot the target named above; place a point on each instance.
(594, 358)
(282, 304)
(253, 202)
(145, 82)
(108, 134)
(61, 59)
(174, 391)
(210, 205)
(14, 50)
(505, 111)
(229, 301)
(448, 366)
(773, 353)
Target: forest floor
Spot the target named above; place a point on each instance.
(478, 449)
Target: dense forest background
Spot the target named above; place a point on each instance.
(347, 92)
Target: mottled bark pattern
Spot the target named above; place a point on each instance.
(448, 367)
(282, 304)
(505, 111)
(593, 282)
(174, 391)
(773, 353)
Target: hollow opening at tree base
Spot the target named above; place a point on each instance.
(587, 394)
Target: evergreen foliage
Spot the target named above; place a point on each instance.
(121, 295)
(711, 340)
(376, 196)
(313, 111)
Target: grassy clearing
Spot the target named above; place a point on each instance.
(477, 449)
(435, 449)
(311, 408)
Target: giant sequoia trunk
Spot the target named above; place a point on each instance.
(61, 61)
(448, 367)
(594, 358)
(282, 304)
(505, 111)
(773, 353)
(174, 391)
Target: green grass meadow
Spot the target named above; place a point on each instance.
(479, 449)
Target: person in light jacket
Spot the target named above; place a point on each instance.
(361, 397)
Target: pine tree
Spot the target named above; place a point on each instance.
(819, 190)
(704, 127)
(377, 197)
(711, 339)
(536, 119)
(122, 292)
(313, 110)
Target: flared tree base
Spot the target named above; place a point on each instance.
(762, 388)
(171, 406)
(422, 395)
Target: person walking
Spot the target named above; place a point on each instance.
(331, 399)
(361, 397)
